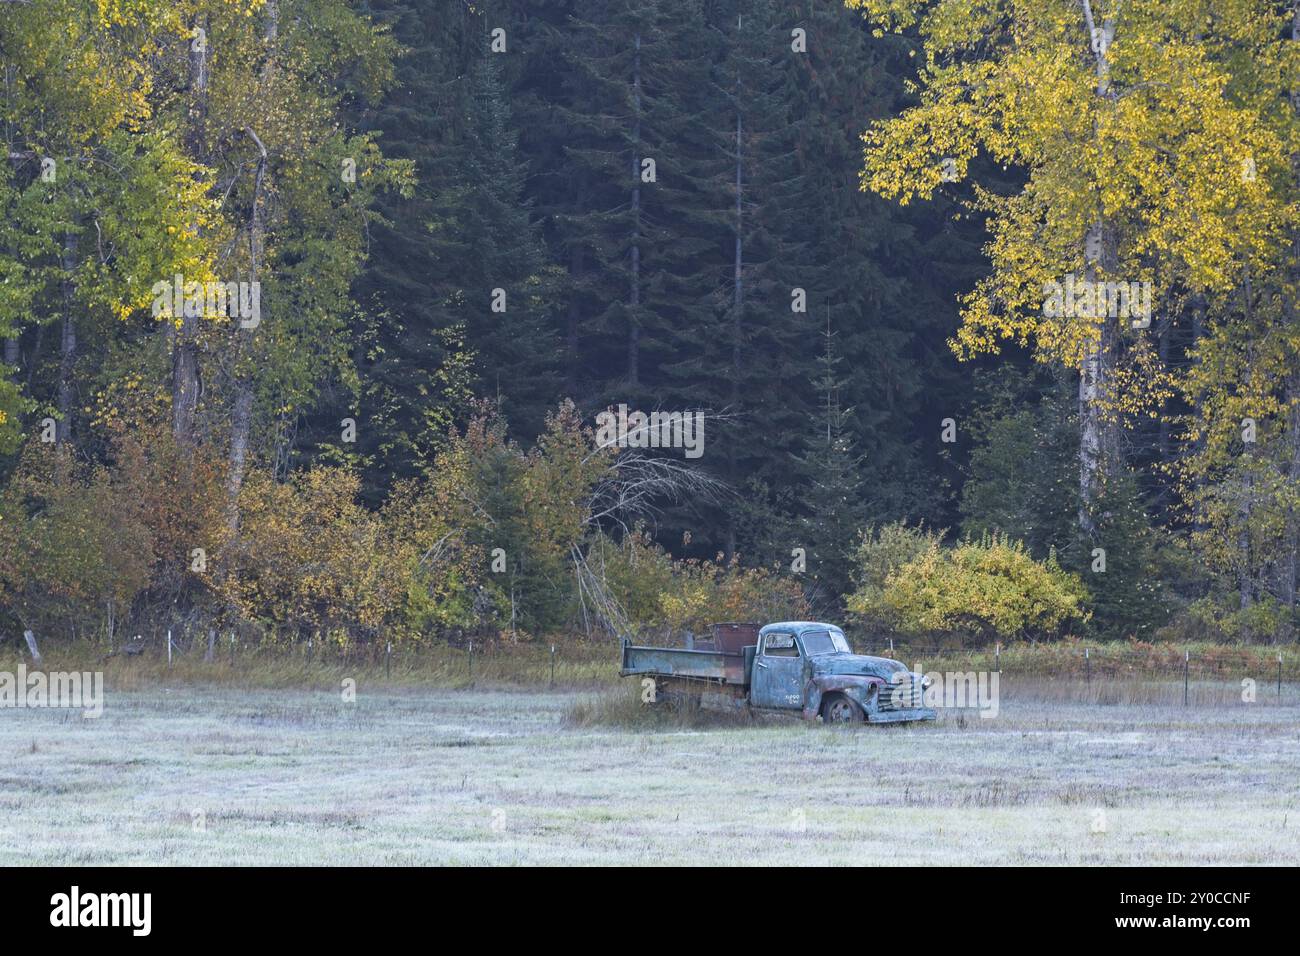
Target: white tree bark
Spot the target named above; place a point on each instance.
(1096, 444)
(30, 638)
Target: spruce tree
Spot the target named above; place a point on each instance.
(429, 338)
(831, 476)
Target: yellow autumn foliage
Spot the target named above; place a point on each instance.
(988, 588)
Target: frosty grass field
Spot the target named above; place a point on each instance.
(404, 776)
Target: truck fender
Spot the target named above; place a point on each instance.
(861, 688)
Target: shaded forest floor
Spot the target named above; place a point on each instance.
(185, 774)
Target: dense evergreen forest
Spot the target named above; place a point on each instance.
(312, 309)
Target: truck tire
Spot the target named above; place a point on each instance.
(841, 709)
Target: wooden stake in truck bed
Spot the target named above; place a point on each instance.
(793, 666)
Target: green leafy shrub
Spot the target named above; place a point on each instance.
(73, 539)
(311, 560)
(881, 552)
(12, 406)
(985, 588)
(660, 594)
(705, 592)
(1216, 618)
(520, 512)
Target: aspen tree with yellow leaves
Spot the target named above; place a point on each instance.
(1131, 121)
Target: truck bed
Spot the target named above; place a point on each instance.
(717, 667)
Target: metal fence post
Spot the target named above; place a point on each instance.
(1187, 660)
(388, 660)
(232, 648)
(552, 665)
(169, 648)
(1279, 677)
(1087, 665)
(997, 657)
(471, 662)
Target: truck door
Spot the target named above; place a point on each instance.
(778, 673)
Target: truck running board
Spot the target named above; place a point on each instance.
(898, 716)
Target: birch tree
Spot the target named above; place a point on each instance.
(1132, 121)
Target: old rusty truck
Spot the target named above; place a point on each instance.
(800, 667)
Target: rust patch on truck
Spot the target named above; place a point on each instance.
(861, 688)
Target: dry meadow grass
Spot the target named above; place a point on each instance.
(1063, 775)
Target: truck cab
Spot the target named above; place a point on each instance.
(781, 666)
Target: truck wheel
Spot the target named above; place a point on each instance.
(839, 709)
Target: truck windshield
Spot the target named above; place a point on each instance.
(825, 642)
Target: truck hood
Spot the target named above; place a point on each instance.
(882, 667)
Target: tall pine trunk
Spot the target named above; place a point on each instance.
(737, 306)
(572, 332)
(634, 298)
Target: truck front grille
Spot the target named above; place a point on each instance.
(903, 695)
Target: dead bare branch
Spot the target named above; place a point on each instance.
(638, 485)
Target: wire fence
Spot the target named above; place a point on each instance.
(1218, 672)
(1246, 669)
